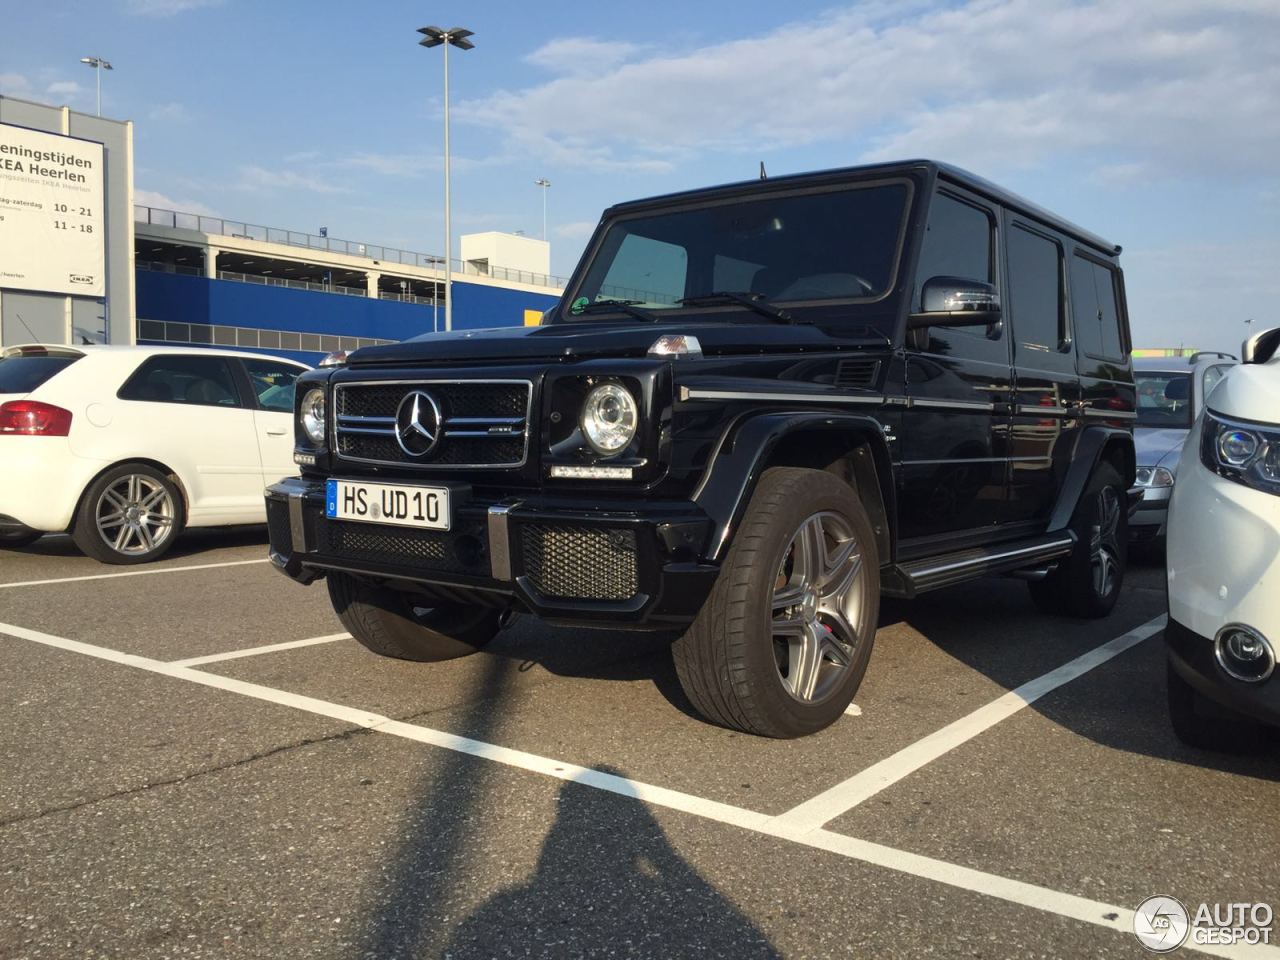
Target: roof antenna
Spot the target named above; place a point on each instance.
(763, 175)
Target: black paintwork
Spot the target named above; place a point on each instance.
(953, 443)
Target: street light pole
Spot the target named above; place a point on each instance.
(98, 65)
(545, 184)
(455, 37)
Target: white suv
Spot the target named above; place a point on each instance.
(1224, 560)
(125, 446)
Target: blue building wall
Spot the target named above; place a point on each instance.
(185, 299)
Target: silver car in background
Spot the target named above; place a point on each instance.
(1171, 393)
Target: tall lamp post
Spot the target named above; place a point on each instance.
(545, 184)
(98, 65)
(453, 37)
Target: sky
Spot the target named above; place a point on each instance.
(1155, 123)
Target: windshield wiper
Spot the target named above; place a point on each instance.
(615, 306)
(748, 299)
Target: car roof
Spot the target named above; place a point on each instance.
(1178, 364)
(63, 350)
(946, 171)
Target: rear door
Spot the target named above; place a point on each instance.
(958, 383)
(271, 384)
(1100, 328)
(1046, 414)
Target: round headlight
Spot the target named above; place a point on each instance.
(311, 415)
(1237, 447)
(609, 418)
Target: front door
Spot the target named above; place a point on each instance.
(272, 385)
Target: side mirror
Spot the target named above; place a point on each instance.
(956, 302)
(1261, 347)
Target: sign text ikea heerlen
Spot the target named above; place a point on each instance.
(51, 227)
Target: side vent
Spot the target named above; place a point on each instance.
(857, 372)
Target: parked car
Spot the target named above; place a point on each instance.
(756, 408)
(1171, 394)
(125, 446)
(1224, 560)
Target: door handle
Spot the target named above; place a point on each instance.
(275, 433)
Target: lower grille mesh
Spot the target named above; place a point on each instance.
(419, 548)
(279, 529)
(586, 563)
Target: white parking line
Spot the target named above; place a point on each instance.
(1068, 905)
(255, 651)
(131, 573)
(843, 797)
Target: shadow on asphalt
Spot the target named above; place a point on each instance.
(606, 880)
(192, 543)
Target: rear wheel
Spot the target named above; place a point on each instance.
(1210, 726)
(783, 641)
(1086, 583)
(131, 514)
(16, 537)
(395, 624)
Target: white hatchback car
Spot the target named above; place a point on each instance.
(1224, 560)
(125, 446)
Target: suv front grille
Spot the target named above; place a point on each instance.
(581, 563)
(484, 423)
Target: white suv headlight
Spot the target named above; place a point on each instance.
(1248, 453)
(609, 418)
(311, 415)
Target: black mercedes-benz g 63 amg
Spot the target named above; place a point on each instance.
(756, 408)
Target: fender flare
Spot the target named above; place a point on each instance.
(737, 462)
(1089, 449)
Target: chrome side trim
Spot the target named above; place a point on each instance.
(1064, 544)
(1034, 410)
(500, 542)
(983, 405)
(687, 393)
(1110, 414)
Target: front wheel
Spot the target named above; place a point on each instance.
(781, 644)
(1086, 583)
(1198, 723)
(131, 514)
(394, 624)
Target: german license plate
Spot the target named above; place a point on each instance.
(392, 503)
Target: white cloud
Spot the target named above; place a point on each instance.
(169, 113)
(167, 8)
(151, 198)
(67, 89)
(577, 231)
(1177, 85)
(260, 178)
(14, 85)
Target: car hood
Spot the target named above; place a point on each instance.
(571, 341)
(1156, 445)
(1250, 391)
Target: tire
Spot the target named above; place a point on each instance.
(391, 625)
(1206, 726)
(752, 661)
(133, 513)
(18, 537)
(1086, 584)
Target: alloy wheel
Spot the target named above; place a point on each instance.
(817, 599)
(135, 515)
(1104, 542)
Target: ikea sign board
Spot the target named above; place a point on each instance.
(52, 231)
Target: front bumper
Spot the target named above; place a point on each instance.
(1192, 656)
(1150, 520)
(624, 564)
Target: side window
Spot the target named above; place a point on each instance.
(204, 381)
(273, 383)
(1095, 309)
(1035, 295)
(958, 243)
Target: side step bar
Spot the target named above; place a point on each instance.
(919, 576)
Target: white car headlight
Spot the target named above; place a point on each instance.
(1154, 477)
(609, 418)
(311, 415)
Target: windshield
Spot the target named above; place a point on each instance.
(19, 374)
(1164, 399)
(811, 247)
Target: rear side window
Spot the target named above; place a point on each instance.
(203, 381)
(23, 374)
(1095, 309)
(1035, 293)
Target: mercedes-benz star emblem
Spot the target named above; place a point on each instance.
(417, 423)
